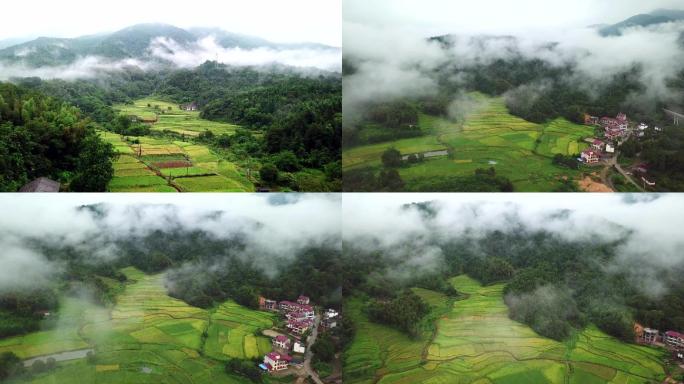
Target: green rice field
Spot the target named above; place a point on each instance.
(488, 136)
(147, 337)
(141, 167)
(476, 342)
(172, 118)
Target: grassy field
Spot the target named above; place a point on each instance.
(138, 167)
(172, 118)
(488, 136)
(147, 337)
(476, 342)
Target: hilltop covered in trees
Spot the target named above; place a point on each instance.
(42, 136)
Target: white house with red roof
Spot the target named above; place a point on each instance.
(303, 299)
(282, 342)
(673, 339)
(274, 361)
(590, 156)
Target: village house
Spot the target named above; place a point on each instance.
(598, 145)
(299, 347)
(610, 148)
(282, 342)
(189, 106)
(673, 339)
(274, 361)
(267, 305)
(590, 156)
(300, 315)
(41, 184)
(289, 306)
(650, 335)
(299, 327)
(329, 319)
(590, 120)
(303, 300)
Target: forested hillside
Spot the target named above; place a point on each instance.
(41, 136)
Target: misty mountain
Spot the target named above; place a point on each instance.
(131, 43)
(659, 16)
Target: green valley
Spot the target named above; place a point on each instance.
(487, 136)
(474, 341)
(147, 337)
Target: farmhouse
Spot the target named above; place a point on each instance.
(299, 347)
(267, 305)
(598, 145)
(274, 361)
(299, 327)
(282, 342)
(330, 319)
(303, 300)
(673, 339)
(41, 184)
(620, 122)
(289, 306)
(299, 315)
(590, 156)
(189, 106)
(590, 120)
(650, 335)
(610, 148)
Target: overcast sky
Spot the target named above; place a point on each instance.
(436, 17)
(316, 21)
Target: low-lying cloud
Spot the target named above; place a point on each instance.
(396, 60)
(328, 59)
(268, 231)
(645, 231)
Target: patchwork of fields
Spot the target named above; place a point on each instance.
(165, 165)
(476, 342)
(148, 337)
(488, 136)
(171, 118)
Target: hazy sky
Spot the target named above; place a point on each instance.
(434, 17)
(277, 20)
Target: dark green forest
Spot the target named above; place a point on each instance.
(42, 136)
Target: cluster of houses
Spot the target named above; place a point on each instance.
(300, 317)
(670, 339)
(189, 106)
(613, 130)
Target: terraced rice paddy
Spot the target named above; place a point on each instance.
(148, 337)
(171, 118)
(488, 136)
(162, 165)
(476, 342)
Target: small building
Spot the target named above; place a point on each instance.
(598, 145)
(299, 327)
(589, 156)
(303, 300)
(673, 339)
(41, 184)
(189, 106)
(650, 335)
(642, 127)
(299, 347)
(299, 315)
(282, 342)
(274, 361)
(610, 148)
(590, 120)
(267, 304)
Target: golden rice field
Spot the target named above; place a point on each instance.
(147, 337)
(476, 342)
